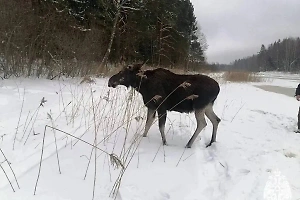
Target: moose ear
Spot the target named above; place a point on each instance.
(140, 65)
(135, 67)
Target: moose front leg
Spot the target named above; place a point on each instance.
(162, 116)
(149, 121)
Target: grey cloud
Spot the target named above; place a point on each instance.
(237, 28)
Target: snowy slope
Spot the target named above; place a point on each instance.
(254, 139)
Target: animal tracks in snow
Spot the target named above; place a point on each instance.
(278, 121)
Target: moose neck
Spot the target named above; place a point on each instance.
(137, 82)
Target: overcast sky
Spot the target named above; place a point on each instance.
(237, 28)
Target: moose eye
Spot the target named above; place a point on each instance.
(121, 79)
(130, 67)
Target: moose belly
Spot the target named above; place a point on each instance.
(184, 107)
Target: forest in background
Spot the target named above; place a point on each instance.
(80, 37)
(282, 55)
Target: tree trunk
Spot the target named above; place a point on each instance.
(112, 36)
(160, 43)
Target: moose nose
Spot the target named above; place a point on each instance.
(110, 84)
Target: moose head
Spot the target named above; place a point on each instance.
(127, 76)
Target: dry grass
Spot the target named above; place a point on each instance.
(290, 155)
(241, 76)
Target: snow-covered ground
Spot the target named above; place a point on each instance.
(255, 142)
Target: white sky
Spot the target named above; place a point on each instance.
(237, 28)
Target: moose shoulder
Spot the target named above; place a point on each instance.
(164, 91)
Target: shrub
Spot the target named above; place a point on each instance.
(241, 76)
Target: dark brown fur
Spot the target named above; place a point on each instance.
(163, 90)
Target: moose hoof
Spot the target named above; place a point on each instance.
(209, 144)
(188, 146)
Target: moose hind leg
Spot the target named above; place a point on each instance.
(215, 120)
(162, 116)
(149, 121)
(201, 123)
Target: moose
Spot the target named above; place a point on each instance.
(163, 90)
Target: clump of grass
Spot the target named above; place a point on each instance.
(87, 79)
(290, 155)
(241, 76)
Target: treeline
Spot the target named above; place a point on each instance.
(282, 55)
(79, 37)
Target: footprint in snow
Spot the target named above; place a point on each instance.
(164, 196)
